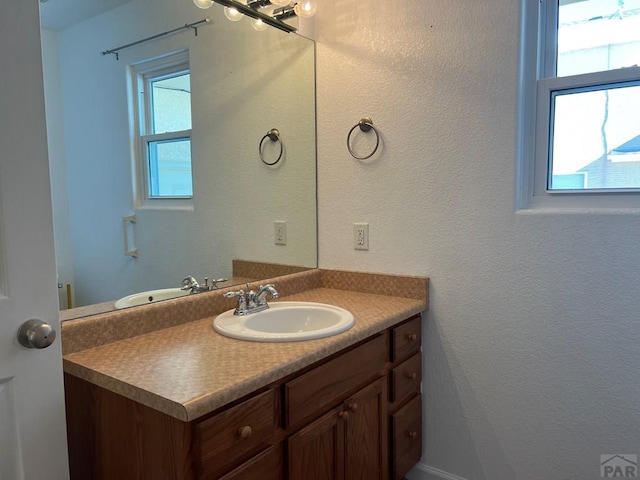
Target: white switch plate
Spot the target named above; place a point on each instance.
(361, 236)
(280, 233)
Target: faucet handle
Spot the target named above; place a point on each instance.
(239, 293)
(189, 282)
(271, 288)
(241, 308)
(214, 283)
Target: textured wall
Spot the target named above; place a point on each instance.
(531, 344)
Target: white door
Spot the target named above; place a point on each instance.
(32, 422)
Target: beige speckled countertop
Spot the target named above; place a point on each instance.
(189, 370)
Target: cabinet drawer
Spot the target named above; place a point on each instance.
(226, 437)
(321, 387)
(406, 339)
(406, 437)
(406, 378)
(264, 466)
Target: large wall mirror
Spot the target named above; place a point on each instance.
(241, 82)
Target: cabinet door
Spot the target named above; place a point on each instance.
(366, 433)
(317, 451)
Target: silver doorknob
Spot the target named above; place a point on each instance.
(36, 334)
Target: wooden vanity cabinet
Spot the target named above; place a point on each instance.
(354, 416)
(366, 433)
(316, 452)
(349, 442)
(229, 436)
(111, 437)
(325, 385)
(405, 401)
(267, 465)
(406, 432)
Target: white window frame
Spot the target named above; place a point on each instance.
(141, 74)
(537, 83)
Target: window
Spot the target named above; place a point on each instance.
(583, 79)
(163, 120)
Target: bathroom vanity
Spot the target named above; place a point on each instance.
(187, 403)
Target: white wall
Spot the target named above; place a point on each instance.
(238, 94)
(57, 161)
(531, 341)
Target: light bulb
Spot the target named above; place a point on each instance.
(305, 8)
(258, 24)
(203, 3)
(232, 14)
(280, 3)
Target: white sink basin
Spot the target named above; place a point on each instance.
(151, 296)
(286, 322)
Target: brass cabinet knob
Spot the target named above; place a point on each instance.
(412, 375)
(412, 435)
(245, 432)
(412, 336)
(353, 407)
(343, 415)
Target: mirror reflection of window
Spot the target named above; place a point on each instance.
(164, 113)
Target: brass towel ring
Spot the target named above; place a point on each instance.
(274, 136)
(365, 125)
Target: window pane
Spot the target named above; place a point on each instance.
(171, 104)
(596, 138)
(170, 168)
(597, 35)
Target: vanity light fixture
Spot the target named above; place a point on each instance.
(203, 3)
(232, 14)
(302, 8)
(265, 3)
(284, 12)
(305, 8)
(258, 24)
(234, 10)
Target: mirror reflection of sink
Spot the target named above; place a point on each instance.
(286, 322)
(151, 296)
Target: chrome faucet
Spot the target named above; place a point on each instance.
(191, 284)
(252, 301)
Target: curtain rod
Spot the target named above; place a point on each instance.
(114, 51)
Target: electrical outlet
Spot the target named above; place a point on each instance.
(280, 233)
(361, 236)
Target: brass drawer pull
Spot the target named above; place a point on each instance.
(412, 337)
(412, 435)
(343, 415)
(353, 407)
(412, 375)
(245, 432)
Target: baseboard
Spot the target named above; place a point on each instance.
(425, 472)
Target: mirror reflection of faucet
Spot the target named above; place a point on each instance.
(190, 284)
(252, 301)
